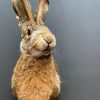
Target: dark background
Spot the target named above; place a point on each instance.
(76, 24)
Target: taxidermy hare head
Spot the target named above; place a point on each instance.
(37, 39)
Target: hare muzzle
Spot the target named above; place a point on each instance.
(43, 42)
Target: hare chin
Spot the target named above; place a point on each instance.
(39, 54)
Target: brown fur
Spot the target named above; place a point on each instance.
(35, 75)
(35, 78)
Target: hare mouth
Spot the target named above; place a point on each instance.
(37, 53)
(43, 53)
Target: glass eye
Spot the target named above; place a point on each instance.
(29, 32)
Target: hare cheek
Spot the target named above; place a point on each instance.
(22, 49)
(34, 35)
(52, 45)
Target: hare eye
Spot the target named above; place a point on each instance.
(29, 32)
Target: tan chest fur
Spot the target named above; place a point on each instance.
(35, 78)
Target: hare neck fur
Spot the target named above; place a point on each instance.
(39, 72)
(31, 62)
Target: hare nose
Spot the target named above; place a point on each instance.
(48, 42)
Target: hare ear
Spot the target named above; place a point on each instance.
(23, 10)
(42, 11)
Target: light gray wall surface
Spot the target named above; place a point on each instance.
(76, 24)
